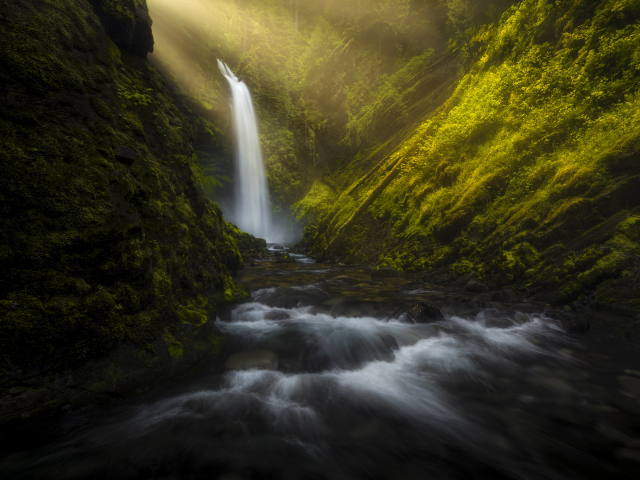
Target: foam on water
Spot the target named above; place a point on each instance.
(302, 258)
(389, 382)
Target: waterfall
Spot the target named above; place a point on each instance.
(252, 208)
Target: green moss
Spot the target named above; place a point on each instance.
(101, 108)
(630, 228)
(536, 148)
(285, 258)
(114, 54)
(174, 347)
(96, 252)
(315, 203)
(195, 317)
(130, 121)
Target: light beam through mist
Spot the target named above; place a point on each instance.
(252, 209)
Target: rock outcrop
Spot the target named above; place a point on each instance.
(113, 260)
(127, 23)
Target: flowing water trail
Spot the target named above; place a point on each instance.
(325, 378)
(252, 208)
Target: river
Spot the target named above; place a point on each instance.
(328, 377)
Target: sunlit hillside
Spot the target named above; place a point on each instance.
(527, 174)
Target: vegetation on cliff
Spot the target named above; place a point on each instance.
(526, 175)
(106, 235)
(484, 138)
(343, 76)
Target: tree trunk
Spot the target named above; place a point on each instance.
(244, 42)
(296, 17)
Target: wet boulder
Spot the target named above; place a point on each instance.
(249, 246)
(257, 360)
(623, 311)
(285, 258)
(422, 312)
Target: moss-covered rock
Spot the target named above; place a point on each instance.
(285, 258)
(249, 247)
(109, 250)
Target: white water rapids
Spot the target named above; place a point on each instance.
(252, 208)
(324, 378)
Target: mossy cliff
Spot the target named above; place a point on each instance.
(341, 76)
(528, 175)
(113, 260)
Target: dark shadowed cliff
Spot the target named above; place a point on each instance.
(112, 259)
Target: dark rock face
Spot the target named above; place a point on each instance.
(423, 312)
(125, 155)
(128, 24)
(113, 260)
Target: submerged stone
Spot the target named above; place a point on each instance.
(423, 312)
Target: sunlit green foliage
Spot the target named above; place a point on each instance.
(538, 144)
(364, 106)
(348, 63)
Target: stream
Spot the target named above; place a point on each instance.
(326, 376)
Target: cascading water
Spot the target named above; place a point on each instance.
(326, 378)
(252, 212)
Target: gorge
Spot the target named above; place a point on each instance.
(449, 189)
